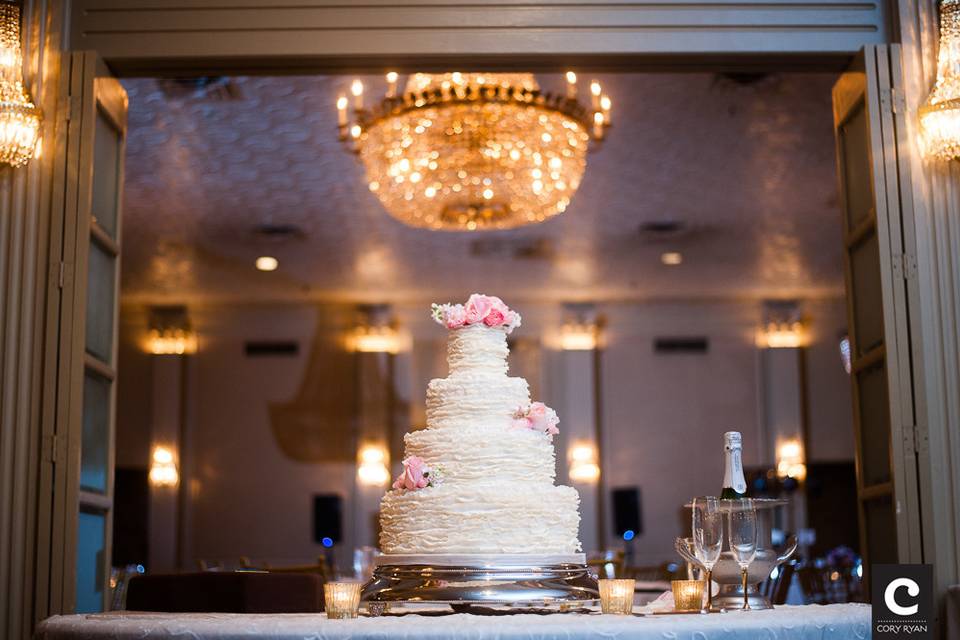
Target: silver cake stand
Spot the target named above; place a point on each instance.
(556, 582)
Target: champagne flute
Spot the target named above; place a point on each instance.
(707, 538)
(742, 531)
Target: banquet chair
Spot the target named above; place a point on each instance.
(321, 568)
(607, 564)
(776, 589)
(226, 592)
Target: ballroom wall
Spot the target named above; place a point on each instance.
(264, 434)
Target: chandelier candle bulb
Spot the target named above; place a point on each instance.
(341, 599)
(605, 104)
(571, 85)
(616, 596)
(357, 90)
(342, 111)
(392, 78)
(595, 91)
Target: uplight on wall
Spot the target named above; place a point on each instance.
(790, 460)
(578, 337)
(783, 326)
(19, 117)
(170, 332)
(372, 468)
(163, 469)
(940, 114)
(375, 331)
(375, 340)
(583, 463)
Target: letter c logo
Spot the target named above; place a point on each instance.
(889, 596)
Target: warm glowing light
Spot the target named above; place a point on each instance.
(384, 339)
(595, 88)
(163, 469)
(392, 76)
(372, 468)
(356, 88)
(578, 337)
(571, 77)
(341, 599)
(782, 335)
(19, 117)
(171, 341)
(940, 114)
(456, 150)
(616, 595)
(790, 460)
(671, 258)
(605, 103)
(583, 463)
(267, 263)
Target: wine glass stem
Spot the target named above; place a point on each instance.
(743, 580)
(709, 586)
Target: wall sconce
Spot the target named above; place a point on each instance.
(790, 460)
(375, 331)
(783, 327)
(583, 463)
(170, 332)
(940, 114)
(163, 470)
(372, 465)
(581, 328)
(19, 117)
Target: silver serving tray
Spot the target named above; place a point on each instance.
(512, 580)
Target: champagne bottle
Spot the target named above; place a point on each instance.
(734, 486)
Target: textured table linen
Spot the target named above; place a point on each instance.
(833, 622)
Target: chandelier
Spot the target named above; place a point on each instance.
(940, 114)
(19, 117)
(472, 151)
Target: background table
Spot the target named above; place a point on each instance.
(832, 622)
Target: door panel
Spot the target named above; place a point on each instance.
(92, 185)
(867, 130)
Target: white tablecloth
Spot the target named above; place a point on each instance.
(833, 622)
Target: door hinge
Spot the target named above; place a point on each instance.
(53, 449)
(892, 100)
(915, 440)
(904, 266)
(70, 107)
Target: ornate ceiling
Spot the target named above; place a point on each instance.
(745, 165)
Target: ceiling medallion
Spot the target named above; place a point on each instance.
(19, 117)
(940, 114)
(473, 151)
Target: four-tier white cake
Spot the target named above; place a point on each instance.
(480, 478)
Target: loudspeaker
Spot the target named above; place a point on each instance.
(626, 512)
(327, 519)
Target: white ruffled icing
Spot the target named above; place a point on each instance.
(478, 349)
(516, 456)
(474, 398)
(482, 517)
(496, 491)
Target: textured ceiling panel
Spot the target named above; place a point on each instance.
(745, 164)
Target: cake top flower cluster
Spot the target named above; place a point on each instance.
(479, 309)
(536, 417)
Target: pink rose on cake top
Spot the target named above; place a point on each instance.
(479, 309)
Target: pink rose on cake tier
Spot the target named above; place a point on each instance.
(490, 311)
(415, 475)
(536, 417)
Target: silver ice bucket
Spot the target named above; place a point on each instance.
(726, 572)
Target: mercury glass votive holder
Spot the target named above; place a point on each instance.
(342, 599)
(687, 594)
(616, 596)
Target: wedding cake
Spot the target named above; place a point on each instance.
(480, 478)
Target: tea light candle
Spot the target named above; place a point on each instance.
(616, 596)
(687, 594)
(342, 599)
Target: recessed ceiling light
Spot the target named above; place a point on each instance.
(267, 263)
(671, 258)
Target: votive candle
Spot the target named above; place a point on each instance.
(616, 596)
(687, 594)
(341, 599)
